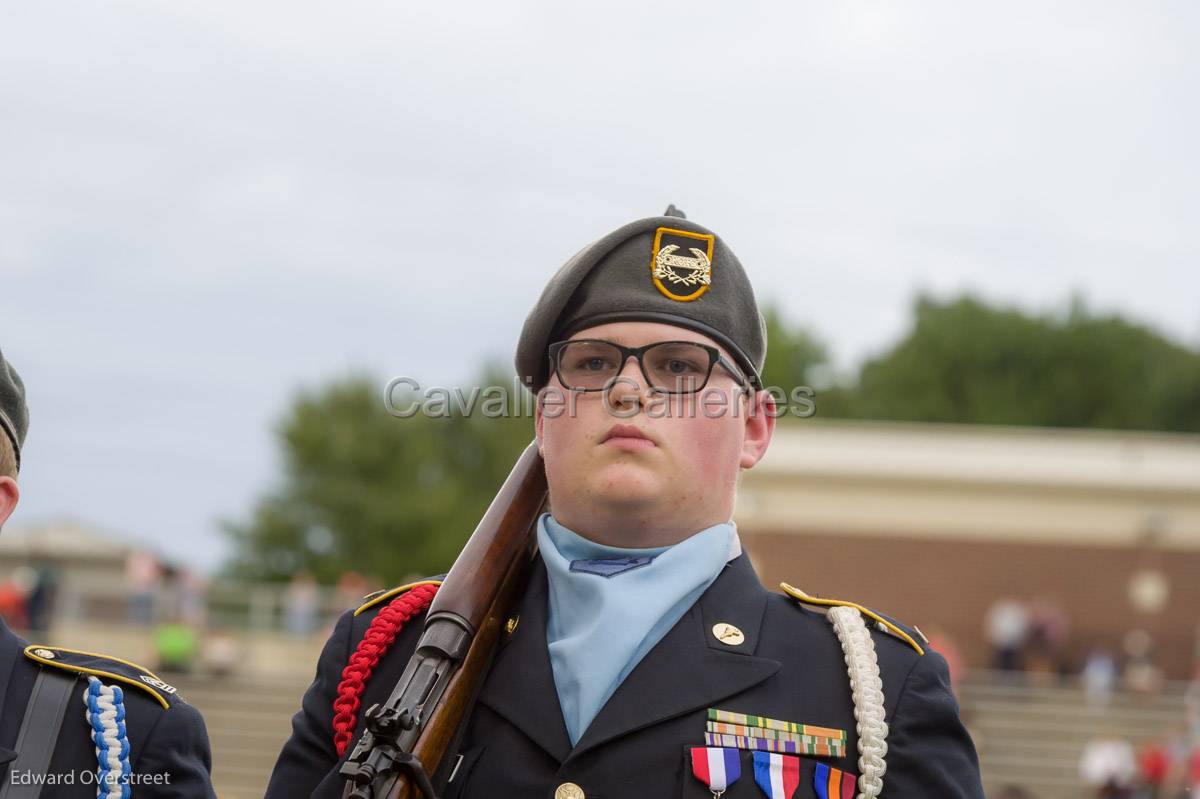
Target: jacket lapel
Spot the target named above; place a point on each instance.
(520, 686)
(689, 668)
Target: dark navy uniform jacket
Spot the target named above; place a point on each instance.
(170, 741)
(789, 667)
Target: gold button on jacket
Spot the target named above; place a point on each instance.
(569, 790)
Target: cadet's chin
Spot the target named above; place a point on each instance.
(626, 482)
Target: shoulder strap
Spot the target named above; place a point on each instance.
(36, 740)
(94, 664)
(379, 597)
(866, 689)
(883, 623)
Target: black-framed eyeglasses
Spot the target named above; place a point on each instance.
(670, 367)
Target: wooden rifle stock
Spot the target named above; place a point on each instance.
(407, 737)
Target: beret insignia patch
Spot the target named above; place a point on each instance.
(681, 264)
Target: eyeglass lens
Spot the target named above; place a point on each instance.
(670, 366)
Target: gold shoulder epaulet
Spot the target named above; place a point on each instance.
(383, 596)
(104, 667)
(882, 623)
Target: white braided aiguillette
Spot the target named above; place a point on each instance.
(866, 687)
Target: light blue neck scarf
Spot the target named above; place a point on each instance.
(609, 606)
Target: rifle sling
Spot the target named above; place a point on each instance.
(44, 714)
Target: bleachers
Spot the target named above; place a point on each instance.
(248, 721)
(1033, 735)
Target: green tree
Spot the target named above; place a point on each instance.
(367, 491)
(965, 361)
(794, 354)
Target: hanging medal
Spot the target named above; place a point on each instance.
(778, 775)
(716, 767)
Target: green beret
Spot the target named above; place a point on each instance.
(661, 269)
(14, 415)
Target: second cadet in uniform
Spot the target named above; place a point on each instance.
(79, 725)
(645, 658)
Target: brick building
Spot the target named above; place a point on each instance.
(933, 523)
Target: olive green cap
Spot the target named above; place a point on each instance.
(14, 414)
(661, 269)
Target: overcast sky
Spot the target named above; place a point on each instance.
(207, 205)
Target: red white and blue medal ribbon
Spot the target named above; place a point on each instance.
(778, 775)
(716, 767)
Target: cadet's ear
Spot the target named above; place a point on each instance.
(9, 495)
(760, 425)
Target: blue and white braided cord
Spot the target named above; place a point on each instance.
(106, 715)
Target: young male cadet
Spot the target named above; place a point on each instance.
(645, 658)
(76, 724)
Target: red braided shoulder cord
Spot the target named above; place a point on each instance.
(379, 637)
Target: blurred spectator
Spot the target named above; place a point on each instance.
(39, 602)
(190, 591)
(1174, 768)
(1142, 675)
(1047, 638)
(300, 604)
(1006, 628)
(1192, 777)
(176, 645)
(23, 580)
(1154, 764)
(143, 577)
(1164, 764)
(1099, 677)
(12, 603)
(351, 587)
(220, 653)
(942, 641)
(1108, 767)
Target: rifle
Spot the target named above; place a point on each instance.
(407, 737)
